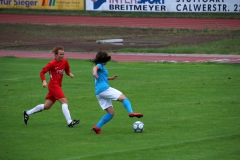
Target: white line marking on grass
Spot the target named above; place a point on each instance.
(155, 146)
(18, 78)
(12, 79)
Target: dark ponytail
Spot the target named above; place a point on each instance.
(101, 57)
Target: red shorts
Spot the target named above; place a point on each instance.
(55, 92)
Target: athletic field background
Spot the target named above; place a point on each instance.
(191, 112)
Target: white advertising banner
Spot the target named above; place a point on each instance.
(211, 6)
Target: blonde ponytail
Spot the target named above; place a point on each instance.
(55, 49)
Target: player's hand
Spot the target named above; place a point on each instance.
(71, 75)
(95, 75)
(113, 77)
(44, 84)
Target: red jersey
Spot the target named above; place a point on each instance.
(56, 70)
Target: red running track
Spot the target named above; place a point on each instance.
(190, 23)
(121, 57)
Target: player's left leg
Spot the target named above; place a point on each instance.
(127, 104)
(66, 113)
(60, 96)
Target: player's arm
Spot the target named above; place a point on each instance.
(42, 74)
(113, 77)
(69, 73)
(44, 83)
(67, 70)
(95, 69)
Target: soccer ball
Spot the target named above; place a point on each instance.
(138, 126)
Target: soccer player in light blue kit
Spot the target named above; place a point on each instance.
(105, 94)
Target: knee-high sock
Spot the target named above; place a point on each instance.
(106, 118)
(36, 109)
(66, 113)
(127, 105)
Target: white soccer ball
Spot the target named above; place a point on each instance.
(138, 126)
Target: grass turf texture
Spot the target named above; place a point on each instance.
(191, 111)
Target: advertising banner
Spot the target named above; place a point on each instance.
(43, 4)
(211, 6)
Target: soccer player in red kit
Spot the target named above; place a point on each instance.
(56, 69)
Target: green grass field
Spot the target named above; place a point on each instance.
(191, 112)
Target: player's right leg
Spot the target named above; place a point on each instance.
(47, 105)
(36, 109)
(107, 106)
(106, 118)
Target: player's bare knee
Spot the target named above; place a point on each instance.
(63, 101)
(46, 107)
(110, 110)
(121, 97)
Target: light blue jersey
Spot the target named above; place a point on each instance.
(101, 83)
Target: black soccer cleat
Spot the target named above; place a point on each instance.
(74, 122)
(25, 117)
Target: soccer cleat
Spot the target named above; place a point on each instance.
(133, 114)
(97, 130)
(74, 122)
(25, 117)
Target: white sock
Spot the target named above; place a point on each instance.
(36, 109)
(66, 113)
